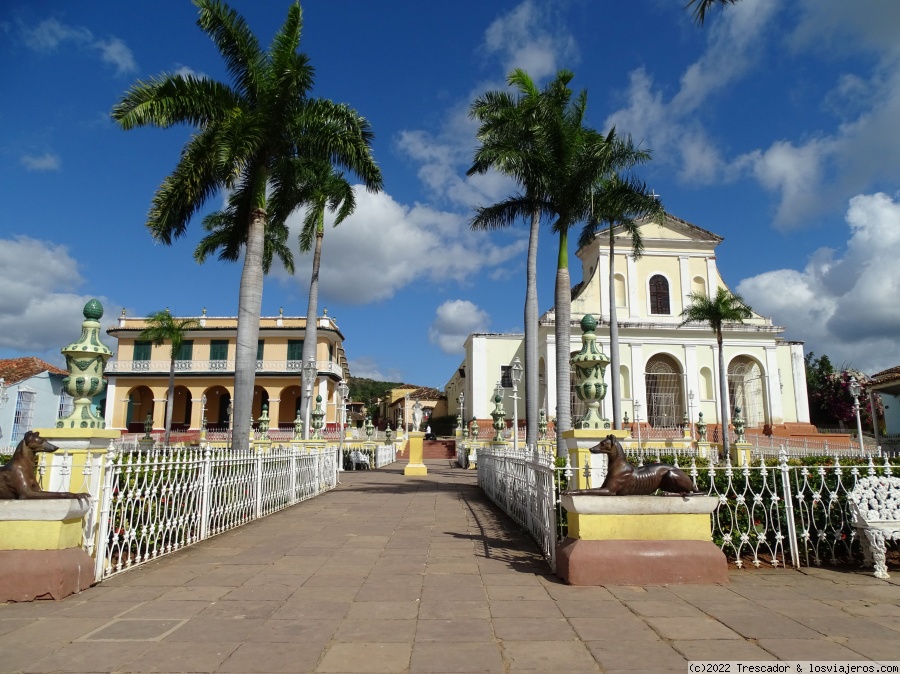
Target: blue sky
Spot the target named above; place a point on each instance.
(776, 126)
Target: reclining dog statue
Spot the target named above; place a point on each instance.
(625, 479)
(17, 477)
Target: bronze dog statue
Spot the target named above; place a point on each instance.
(17, 477)
(624, 479)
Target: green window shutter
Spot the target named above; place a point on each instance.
(218, 349)
(141, 350)
(259, 349)
(186, 350)
(295, 349)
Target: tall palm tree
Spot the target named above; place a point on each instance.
(724, 307)
(320, 187)
(513, 142)
(162, 328)
(701, 7)
(621, 204)
(248, 133)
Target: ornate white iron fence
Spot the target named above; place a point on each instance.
(155, 502)
(775, 515)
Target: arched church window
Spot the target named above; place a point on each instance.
(659, 295)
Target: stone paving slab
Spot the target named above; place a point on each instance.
(422, 574)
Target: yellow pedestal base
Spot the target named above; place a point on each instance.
(416, 466)
(673, 527)
(579, 443)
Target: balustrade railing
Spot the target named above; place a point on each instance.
(217, 366)
(772, 513)
(158, 501)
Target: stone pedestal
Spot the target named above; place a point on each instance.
(416, 466)
(639, 540)
(741, 453)
(40, 549)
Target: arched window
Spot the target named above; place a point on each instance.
(706, 384)
(698, 285)
(624, 381)
(747, 390)
(664, 385)
(659, 295)
(619, 281)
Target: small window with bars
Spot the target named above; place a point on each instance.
(66, 405)
(506, 376)
(24, 414)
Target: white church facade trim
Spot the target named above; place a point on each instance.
(668, 369)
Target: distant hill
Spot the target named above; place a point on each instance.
(367, 390)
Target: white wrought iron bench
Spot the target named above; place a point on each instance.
(359, 459)
(875, 506)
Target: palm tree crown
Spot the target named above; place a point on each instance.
(249, 134)
(717, 311)
(162, 327)
(513, 141)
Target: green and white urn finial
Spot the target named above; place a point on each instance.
(589, 366)
(318, 420)
(85, 361)
(499, 416)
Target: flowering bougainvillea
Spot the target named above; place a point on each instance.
(833, 398)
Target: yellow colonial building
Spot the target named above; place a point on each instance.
(138, 375)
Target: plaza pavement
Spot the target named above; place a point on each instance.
(423, 574)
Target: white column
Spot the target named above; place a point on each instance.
(685, 280)
(479, 376)
(633, 308)
(774, 381)
(638, 382)
(603, 273)
(110, 404)
(712, 276)
(550, 374)
(798, 372)
(691, 370)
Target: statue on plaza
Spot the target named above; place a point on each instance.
(625, 479)
(417, 415)
(17, 477)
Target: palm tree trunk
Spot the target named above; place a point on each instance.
(170, 399)
(723, 394)
(615, 388)
(312, 308)
(532, 392)
(563, 329)
(249, 309)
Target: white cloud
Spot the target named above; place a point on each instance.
(50, 34)
(116, 53)
(187, 71)
(44, 162)
(843, 306)
(368, 368)
(40, 312)
(386, 246)
(528, 38)
(454, 321)
(808, 175)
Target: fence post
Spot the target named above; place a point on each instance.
(259, 457)
(106, 496)
(205, 492)
(294, 469)
(789, 508)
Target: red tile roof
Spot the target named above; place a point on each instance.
(15, 370)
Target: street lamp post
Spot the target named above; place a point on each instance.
(309, 379)
(460, 412)
(855, 391)
(343, 392)
(637, 421)
(203, 418)
(691, 411)
(406, 414)
(4, 396)
(516, 372)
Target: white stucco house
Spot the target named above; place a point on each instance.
(32, 397)
(667, 368)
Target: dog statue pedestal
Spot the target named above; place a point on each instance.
(40, 549)
(639, 540)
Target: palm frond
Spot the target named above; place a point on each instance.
(701, 7)
(166, 100)
(244, 60)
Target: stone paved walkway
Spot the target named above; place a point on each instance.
(395, 574)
